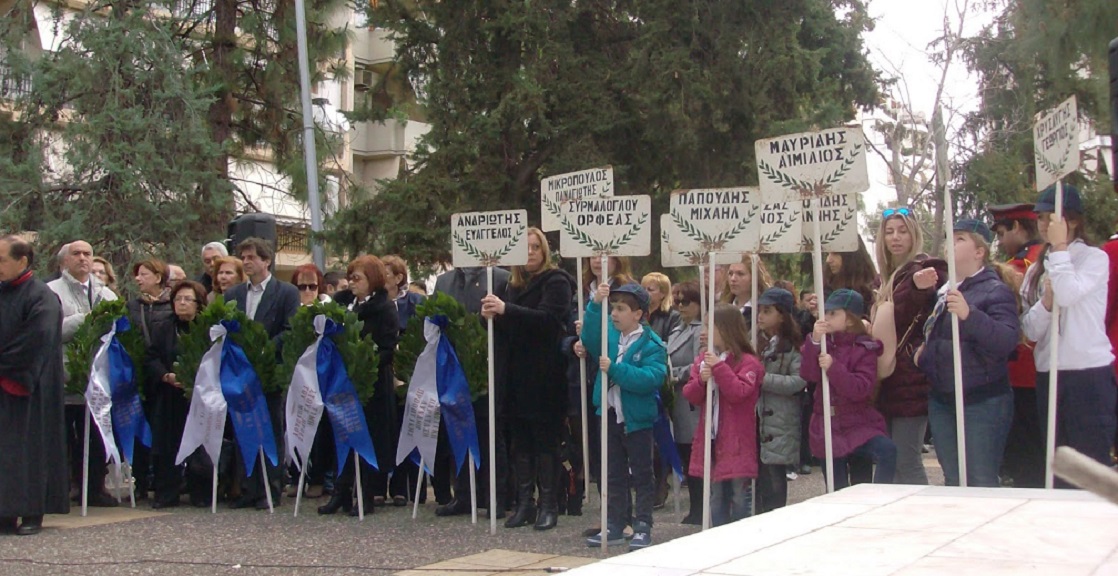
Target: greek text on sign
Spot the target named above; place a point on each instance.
(796, 167)
(1056, 143)
(677, 249)
(614, 226)
(563, 188)
(717, 220)
(489, 238)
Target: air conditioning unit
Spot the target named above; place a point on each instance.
(363, 79)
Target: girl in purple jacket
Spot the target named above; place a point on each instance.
(851, 364)
(738, 375)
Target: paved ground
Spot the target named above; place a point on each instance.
(190, 541)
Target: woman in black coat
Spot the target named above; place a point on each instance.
(367, 298)
(530, 325)
(167, 404)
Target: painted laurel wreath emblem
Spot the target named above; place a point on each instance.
(598, 246)
(488, 258)
(716, 242)
(843, 224)
(804, 187)
(1047, 165)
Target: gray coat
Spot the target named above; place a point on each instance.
(76, 303)
(778, 408)
(683, 348)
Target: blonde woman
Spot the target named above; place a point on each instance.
(103, 270)
(738, 289)
(909, 281)
(663, 317)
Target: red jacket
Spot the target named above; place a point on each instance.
(1111, 249)
(735, 447)
(1022, 369)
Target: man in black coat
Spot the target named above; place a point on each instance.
(272, 303)
(468, 286)
(32, 430)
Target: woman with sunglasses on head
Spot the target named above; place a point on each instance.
(683, 348)
(909, 281)
(1073, 275)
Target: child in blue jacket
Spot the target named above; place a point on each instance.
(636, 364)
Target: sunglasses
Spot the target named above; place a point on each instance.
(682, 302)
(889, 212)
(306, 287)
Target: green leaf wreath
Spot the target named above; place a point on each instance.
(359, 354)
(465, 333)
(87, 340)
(253, 338)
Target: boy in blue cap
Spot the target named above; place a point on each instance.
(635, 361)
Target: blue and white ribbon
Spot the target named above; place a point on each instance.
(127, 410)
(205, 423)
(98, 396)
(304, 402)
(347, 417)
(252, 425)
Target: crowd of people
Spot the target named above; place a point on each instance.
(888, 359)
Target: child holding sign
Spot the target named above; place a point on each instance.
(737, 375)
(851, 365)
(636, 362)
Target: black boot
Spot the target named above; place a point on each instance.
(525, 486)
(694, 515)
(549, 485)
(342, 499)
(574, 501)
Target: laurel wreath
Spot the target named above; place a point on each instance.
(491, 259)
(253, 338)
(775, 235)
(1048, 166)
(712, 243)
(804, 187)
(466, 335)
(359, 354)
(599, 247)
(824, 239)
(87, 341)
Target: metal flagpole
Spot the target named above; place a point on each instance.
(309, 152)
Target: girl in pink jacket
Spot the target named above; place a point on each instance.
(851, 366)
(737, 374)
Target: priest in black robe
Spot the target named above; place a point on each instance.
(35, 479)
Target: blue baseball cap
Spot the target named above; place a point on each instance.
(637, 291)
(1047, 201)
(778, 297)
(976, 226)
(846, 299)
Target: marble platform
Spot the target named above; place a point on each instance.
(898, 530)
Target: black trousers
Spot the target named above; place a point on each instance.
(630, 469)
(1085, 411)
(772, 487)
(1024, 448)
(75, 438)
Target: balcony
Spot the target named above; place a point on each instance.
(393, 138)
(373, 48)
(12, 86)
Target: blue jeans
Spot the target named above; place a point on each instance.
(1085, 417)
(879, 449)
(730, 500)
(987, 427)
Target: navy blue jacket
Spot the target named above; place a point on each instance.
(988, 337)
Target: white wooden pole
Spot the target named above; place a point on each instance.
(302, 483)
(418, 487)
(85, 464)
(708, 442)
(753, 304)
(213, 494)
(131, 482)
(1053, 363)
(473, 493)
(492, 414)
(956, 350)
(582, 387)
(604, 402)
(267, 484)
(817, 250)
(357, 482)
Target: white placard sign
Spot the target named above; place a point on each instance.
(718, 219)
(779, 225)
(562, 188)
(1056, 143)
(830, 164)
(614, 226)
(677, 249)
(497, 238)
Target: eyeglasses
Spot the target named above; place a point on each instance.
(307, 287)
(889, 212)
(682, 302)
(186, 300)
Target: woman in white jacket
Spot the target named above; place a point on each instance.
(1072, 275)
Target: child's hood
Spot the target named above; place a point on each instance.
(860, 340)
